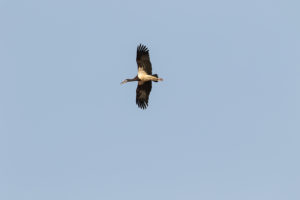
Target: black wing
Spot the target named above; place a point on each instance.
(142, 94)
(143, 59)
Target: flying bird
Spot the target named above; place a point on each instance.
(144, 77)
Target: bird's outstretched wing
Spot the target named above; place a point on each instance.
(143, 59)
(142, 94)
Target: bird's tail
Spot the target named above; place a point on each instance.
(155, 76)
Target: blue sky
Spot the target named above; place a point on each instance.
(224, 124)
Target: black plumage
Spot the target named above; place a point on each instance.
(143, 59)
(142, 94)
(144, 77)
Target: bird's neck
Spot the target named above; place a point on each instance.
(133, 79)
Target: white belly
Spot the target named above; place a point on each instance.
(143, 75)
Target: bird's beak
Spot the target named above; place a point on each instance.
(123, 82)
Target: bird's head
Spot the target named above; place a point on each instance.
(125, 81)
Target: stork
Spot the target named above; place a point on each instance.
(144, 77)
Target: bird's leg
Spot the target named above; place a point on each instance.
(156, 79)
(152, 78)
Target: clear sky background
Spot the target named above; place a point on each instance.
(224, 124)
